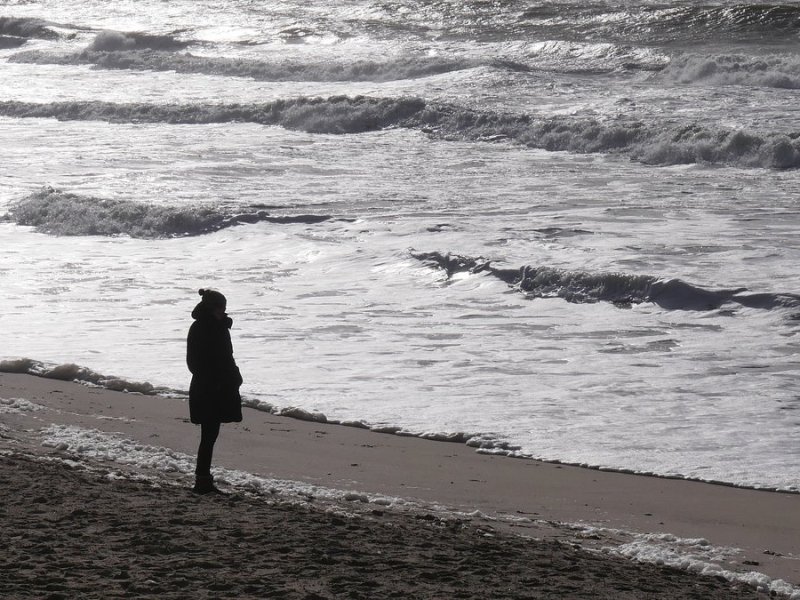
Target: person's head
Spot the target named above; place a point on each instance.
(215, 302)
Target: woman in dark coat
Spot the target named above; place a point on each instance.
(214, 391)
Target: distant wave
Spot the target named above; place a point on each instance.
(619, 289)
(113, 41)
(123, 52)
(404, 68)
(667, 24)
(780, 71)
(59, 213)
(600, 57)
(409, 68)
(762, 19)
(339, 114)
(650, 144)
(26, 28)
(127, 51)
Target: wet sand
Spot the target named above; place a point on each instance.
(464, 525)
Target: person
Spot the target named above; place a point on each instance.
(214, 391)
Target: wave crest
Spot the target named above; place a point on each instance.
(780, 71)
(651, 144)
(110, 41)
(620, 289)
(24, 27)
(339, 114)
(600, 57)
(118, 51)
(56, 212)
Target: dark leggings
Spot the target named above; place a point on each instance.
(208, 435)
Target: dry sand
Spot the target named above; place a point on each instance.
(71, 531)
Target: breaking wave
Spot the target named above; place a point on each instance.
(581, 57)
(339, 114)
(122, 52)
(26, 28)
(620, 289)
(649, 144)
(59, 213)
(780, 71)
(114, 41)
(139, 52)
(143, 52)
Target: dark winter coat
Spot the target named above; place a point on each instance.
(214, 391)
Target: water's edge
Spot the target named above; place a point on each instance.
(482, 442)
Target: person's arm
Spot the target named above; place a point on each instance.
(197, 355)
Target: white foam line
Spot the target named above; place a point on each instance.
(103, 446)
(695, 555)
(18, 406)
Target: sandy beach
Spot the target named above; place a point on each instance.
(96, 504)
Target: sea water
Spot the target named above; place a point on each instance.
(563, 229)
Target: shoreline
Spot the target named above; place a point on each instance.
(493, 447)
(728, 532)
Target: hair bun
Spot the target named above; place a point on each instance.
(202, 292)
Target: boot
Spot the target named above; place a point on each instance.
(204, 484)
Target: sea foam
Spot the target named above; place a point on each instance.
(72, 372)
(60, 213)
(777, 71)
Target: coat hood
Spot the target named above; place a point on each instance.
(205, 312)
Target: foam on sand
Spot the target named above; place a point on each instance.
(695, 555)
(303, 460)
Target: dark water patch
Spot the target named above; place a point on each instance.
(24, 27)
(59, 213)
(11, 41)
(620, 289)
(656, 144)
(737, 20)
(667, 24)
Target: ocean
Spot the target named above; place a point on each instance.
(562, 229)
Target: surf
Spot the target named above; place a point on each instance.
(620, 289)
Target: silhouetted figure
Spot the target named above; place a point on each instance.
(214, 392)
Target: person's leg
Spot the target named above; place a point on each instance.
(208, 437)
(204, 482)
